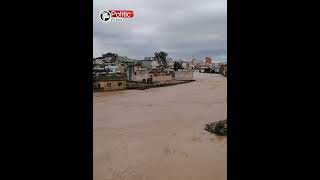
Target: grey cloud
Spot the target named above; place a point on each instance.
(181, 28)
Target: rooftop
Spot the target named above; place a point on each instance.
(113, 77)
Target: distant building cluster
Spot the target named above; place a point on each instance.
(113, 72)
(210, 66)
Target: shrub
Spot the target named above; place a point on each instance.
(218, 128)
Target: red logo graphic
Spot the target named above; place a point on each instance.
(115, 15)
(121, 13)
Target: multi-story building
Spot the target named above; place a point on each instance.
(208, 61)
(138, 74)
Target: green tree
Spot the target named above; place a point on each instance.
(161, 57)
(177, 65)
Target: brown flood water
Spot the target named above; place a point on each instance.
(158, 134)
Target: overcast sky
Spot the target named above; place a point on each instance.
(182, 28)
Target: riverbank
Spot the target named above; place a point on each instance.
(142, 86)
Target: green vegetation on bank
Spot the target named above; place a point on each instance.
(218, 128)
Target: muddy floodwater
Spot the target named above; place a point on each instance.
(158, 134)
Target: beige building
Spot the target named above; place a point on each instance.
(137, 74)
(183, 75)
(109, 83)
(161, 78)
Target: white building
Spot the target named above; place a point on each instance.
(98, 61)
(111, 69)
(184, 65)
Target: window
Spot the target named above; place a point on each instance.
(119, 83)
(98, 85)
(108, 84)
